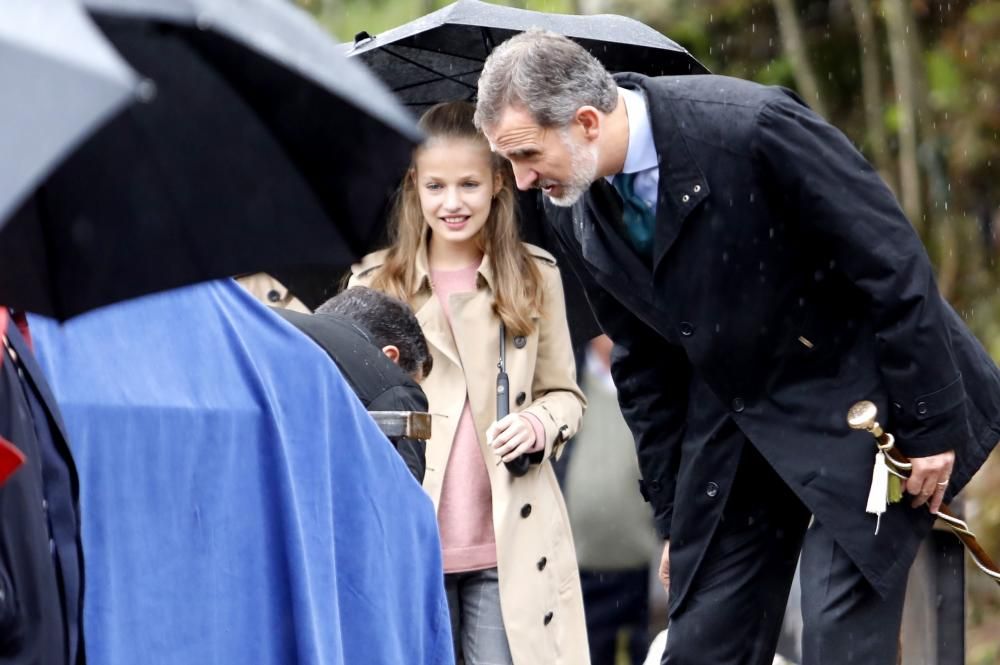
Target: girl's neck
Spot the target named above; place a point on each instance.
(444, 255)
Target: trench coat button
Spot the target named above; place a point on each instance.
(520, 398)
(712, 490)
(520, 341)
(525, 510)
(548, 618)
(273, 296)
(738, 405)
(541, 563)
(685, 198)
(921, 408)
(686, 328)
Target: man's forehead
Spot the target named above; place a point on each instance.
(515, 129)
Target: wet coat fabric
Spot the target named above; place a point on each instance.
(786, 285)
(540, 596)
(241, 505)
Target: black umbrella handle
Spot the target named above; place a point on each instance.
(520, 464)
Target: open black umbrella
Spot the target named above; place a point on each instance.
(50, 49)
(438, 57)
(260, 147)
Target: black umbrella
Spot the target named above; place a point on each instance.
(260, 148)
(438, 57)
(47, 49)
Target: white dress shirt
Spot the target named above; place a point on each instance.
(640, 157)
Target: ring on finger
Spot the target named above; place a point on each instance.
(943, 483)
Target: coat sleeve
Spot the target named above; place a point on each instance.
(820, 181)
(652, 378)
(558, 402)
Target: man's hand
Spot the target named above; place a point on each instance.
(512, 436)
(665, 567)
(929, 479)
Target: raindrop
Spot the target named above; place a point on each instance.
(145, 90)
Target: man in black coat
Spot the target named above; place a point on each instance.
(377, 344)
(757, 278)
(41, 558)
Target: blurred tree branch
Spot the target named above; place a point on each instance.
(791, 39)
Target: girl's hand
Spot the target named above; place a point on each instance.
(512, 436)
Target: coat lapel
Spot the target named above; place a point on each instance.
(682, 184)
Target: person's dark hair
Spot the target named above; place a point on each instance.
(387, 320)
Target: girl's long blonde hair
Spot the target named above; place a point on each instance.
(517, 282)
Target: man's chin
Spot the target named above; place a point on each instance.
(566, 198)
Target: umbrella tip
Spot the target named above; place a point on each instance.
(362, 37)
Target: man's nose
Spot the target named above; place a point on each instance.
(524, 177)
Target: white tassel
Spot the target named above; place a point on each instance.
(880, 488)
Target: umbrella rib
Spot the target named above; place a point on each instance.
(428, 69)
(425, 82)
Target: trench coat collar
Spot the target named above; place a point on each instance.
(423, 271)
(682, 184)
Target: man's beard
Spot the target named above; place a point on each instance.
(583, 171)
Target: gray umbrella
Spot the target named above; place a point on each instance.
(60, 80)
(258, 147)
(438, 57)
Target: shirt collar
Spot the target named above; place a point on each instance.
(641, 152)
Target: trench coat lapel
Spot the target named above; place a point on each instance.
(431, 314)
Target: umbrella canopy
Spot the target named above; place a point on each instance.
(438, 57)
(47, 49)
(260, 147)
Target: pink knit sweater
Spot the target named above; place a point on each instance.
(465, 511)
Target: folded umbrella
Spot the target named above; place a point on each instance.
(257, 147)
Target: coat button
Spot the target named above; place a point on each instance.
(697, 188)
(273, 296)
(686, 329)
(520, 398)
(525, 510)
(655, 486)
(921, 408)
(685, 198)
(520, 341)
(541, 563)
(548, 618)
(738, 405)
(712, 490)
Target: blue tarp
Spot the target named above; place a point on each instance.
(239, 506)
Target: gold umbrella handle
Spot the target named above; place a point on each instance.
(862, 417)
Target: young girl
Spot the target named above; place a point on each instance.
(510, 567)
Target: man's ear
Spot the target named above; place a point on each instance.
(589, 120)
(391, 352)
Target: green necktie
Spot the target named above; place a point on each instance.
(638, 218)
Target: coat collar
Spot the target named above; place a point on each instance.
(682, 184)
(423, 272)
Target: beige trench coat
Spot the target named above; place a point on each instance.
(540, 596)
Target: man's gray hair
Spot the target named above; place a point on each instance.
(545, 73)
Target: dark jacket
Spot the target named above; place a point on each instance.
(377, 381)
(41, 560)
(786, 284)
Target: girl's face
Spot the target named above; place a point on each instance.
(456, 184)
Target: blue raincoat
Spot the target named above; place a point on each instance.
(239, 506)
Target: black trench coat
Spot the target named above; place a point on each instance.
(786, 285)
